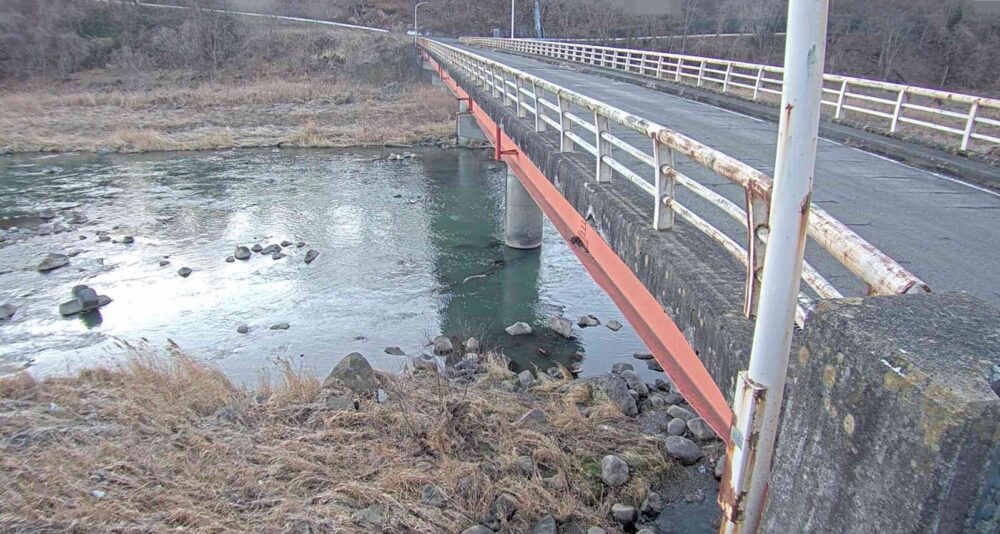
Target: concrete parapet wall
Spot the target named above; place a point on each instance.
(891, 420)
(891, 417)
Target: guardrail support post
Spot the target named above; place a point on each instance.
(840, 100)
(603, 125)
(663, 211)
(970, 125)
(701, 72)
(759, 390)
(757, 84)
(508, 101)
(519, 100)
(900, 100)
(725, 81)
(565, 143)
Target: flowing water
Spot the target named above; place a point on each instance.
(409, 249)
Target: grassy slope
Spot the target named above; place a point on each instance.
(164, 443)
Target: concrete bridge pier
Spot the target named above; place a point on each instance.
(523, 229)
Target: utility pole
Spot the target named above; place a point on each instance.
(539, 32)
(511, 19)
(760, 388)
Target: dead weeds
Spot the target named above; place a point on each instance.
(167, 442)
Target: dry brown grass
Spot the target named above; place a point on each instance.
(174, 445)
(265, 112)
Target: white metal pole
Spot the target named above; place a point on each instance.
(757, 419)
(415, 30)
(511, 19)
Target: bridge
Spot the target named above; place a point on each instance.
(892, 406)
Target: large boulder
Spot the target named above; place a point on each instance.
(561, 326)
(518, 329)
(355, 373)
(242, 253)
(614, 470)
(617, 391)
(443, 346)
(682, 449)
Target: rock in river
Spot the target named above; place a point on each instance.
(257, 248)
(518, 329)
(278, 255)
(587, 320)
(617, 391)
(311, 255)
(394, 351)
(624, 513)
(270, 249)
(128, 240)
(230, 259)
(53, 261)
(280, 326)
(7, 311)
(546, 525)
(561, 326)
(184, 272)
(355, 373)
(84, 299)
(242, 329)
(614, 326)
(286, 243)
(242, 253)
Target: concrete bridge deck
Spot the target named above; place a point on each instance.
(941, 228)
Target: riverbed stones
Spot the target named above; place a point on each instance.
(619, 367)
(614, 470)
(634, 382)
(700, 429)
(371, 517)
(525, 466)
(230, 259)
(353, 372)
(424, 362)
(7, 311)
(642, 356)
(257, 248)
(624, 514)
(311, 256)
(270, 249)
(280, 326)
(561, 326)
(477, 529)
(617, 392)
(242, 329)
(596, 530)
(164, 263)
(128, 240)
(518, 329)
(545, 525)
(242, 253)
(526, 379)
(300, 244)
(394, 351)
(652, 505)
(471, 345)
(676, 426)
(184, 272)
(431, 495)
(53, 261)
(681, 413)
(286, 243)
(533, 416)
(443, 346)
(587, 320)
(85, 299)
(654, 365)
(614, 326)
(682, 449)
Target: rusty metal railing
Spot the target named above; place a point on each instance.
(959, 119)
(530, 96)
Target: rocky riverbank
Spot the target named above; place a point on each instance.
(455, 443)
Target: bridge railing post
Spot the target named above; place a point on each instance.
(701, 72)
(539, 108)
(758, 209)
(522, 111)
(757, 84)
(603, 126)
(898, 110)
(841, 96)
(565, 143)
(677, 73)
(970, 125)
(493, 82)
(729, 73)
(508, 100)
(663, 211)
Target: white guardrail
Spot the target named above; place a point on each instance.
(951, 119)
(551, 105)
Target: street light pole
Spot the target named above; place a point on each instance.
(415, 17)
(511, 19)
(757, 401)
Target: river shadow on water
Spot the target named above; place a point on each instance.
(409, 249)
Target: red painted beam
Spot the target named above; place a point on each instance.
(637, 304)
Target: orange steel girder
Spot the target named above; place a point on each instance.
(661, 335)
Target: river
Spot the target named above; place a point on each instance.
(409, 249)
